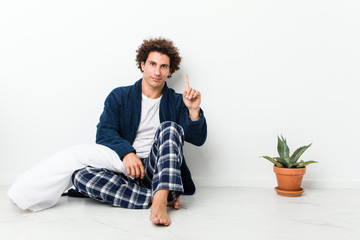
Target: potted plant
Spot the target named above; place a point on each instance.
(289, 171)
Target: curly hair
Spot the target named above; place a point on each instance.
(160, 45)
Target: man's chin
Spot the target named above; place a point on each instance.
(158, 83)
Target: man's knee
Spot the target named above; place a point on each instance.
(82, 176)
(169, 126)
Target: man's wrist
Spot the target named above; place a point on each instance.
(194, 114)
(128, 154)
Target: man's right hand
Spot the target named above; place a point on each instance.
(133, 165)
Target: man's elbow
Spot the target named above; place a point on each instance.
(199, 141)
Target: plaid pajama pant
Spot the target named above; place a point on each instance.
(162, 171)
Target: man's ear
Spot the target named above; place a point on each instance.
(142, 66)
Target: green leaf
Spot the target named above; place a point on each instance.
(283, 148)
(303, 164)
(287, 160)
(282, 161)
(297, 163)
(278, 164)
(296, 155)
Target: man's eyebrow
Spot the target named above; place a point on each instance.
(164, 64)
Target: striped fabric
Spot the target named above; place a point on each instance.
(162, 171)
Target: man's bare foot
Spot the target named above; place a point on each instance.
(158, 213)
(175, 204)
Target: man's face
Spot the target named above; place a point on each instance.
(155, 70)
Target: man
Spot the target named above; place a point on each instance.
(146, 125)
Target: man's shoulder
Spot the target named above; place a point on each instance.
(174, 97)
(124, 89)
(173, 93)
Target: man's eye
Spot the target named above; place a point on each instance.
(152, 64)
(164, 66)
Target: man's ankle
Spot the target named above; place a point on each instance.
(161, 195)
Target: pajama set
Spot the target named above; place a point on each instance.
(165, 166)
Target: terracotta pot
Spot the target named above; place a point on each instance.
(289, 179)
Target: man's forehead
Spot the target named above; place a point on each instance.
(159, 58)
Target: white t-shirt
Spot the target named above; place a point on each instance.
(149, 123)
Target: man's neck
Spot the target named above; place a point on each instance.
(150, 92)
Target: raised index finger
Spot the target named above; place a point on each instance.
(186, 81)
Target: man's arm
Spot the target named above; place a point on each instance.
(108, 129)
(108, 134)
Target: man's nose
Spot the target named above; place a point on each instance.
(157, 70)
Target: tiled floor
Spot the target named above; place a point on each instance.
(212, 213)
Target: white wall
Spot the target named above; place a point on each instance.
(263, 67)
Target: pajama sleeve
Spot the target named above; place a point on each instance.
(109, 130)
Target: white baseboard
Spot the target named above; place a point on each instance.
(7, 180)
(266, 183)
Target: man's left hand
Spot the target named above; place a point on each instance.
(192, 100)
